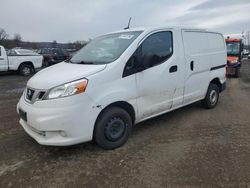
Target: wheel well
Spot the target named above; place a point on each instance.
(125, 106)
(216, 81)
(26, 63)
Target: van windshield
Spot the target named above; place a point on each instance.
(105, 49)
(233, 48)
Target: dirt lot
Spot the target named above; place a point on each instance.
(190, 147)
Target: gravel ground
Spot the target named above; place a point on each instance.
(189, 147)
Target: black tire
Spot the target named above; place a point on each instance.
(237, 72)
(112, 128)
(26, 70)
(212, 96)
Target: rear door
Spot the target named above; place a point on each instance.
(197, 65)
(3, 60)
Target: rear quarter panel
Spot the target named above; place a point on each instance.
(207, 50)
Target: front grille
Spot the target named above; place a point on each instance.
(32, 95)
(41, 94)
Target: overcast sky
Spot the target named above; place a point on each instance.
(65, 20)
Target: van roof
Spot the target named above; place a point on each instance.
(154, 28)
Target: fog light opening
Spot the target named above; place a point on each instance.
(42, 133)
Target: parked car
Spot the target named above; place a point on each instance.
(53, 55)
(23, 61)
(120, 79)
(245, 52)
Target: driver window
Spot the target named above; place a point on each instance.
(153, 51)
(156, 49)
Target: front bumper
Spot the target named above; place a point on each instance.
(234, 65)
(60, 122)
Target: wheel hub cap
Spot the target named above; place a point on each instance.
(26, 70)
(115, 129)
(213, 97)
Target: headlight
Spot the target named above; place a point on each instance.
(68, 89)
(234, 61)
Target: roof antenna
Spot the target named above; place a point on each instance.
(128, 24)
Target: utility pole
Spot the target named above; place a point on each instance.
(248, 39)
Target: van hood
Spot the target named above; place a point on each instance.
(62, 73)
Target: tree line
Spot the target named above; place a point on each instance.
(16, 41)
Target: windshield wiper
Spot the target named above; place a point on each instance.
(85, 62)
(68, 61)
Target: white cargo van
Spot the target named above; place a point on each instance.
(120, 79)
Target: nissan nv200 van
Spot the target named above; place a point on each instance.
(120, 79)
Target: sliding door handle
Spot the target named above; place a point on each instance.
(192, 65)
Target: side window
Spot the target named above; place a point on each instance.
(153, 51)
(156, 49)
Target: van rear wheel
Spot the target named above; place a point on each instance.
(112, 128)
(212, 96)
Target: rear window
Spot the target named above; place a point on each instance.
(26, 52)
(12, 53)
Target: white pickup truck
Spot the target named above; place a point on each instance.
(23, 61)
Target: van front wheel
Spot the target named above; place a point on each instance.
(112, 128)
(212, 96)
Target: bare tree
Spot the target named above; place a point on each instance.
(17, 39)
(54, 44)
(79, 44)
(3, 35)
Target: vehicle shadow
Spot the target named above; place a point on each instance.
(145, 127)
(13, 74)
